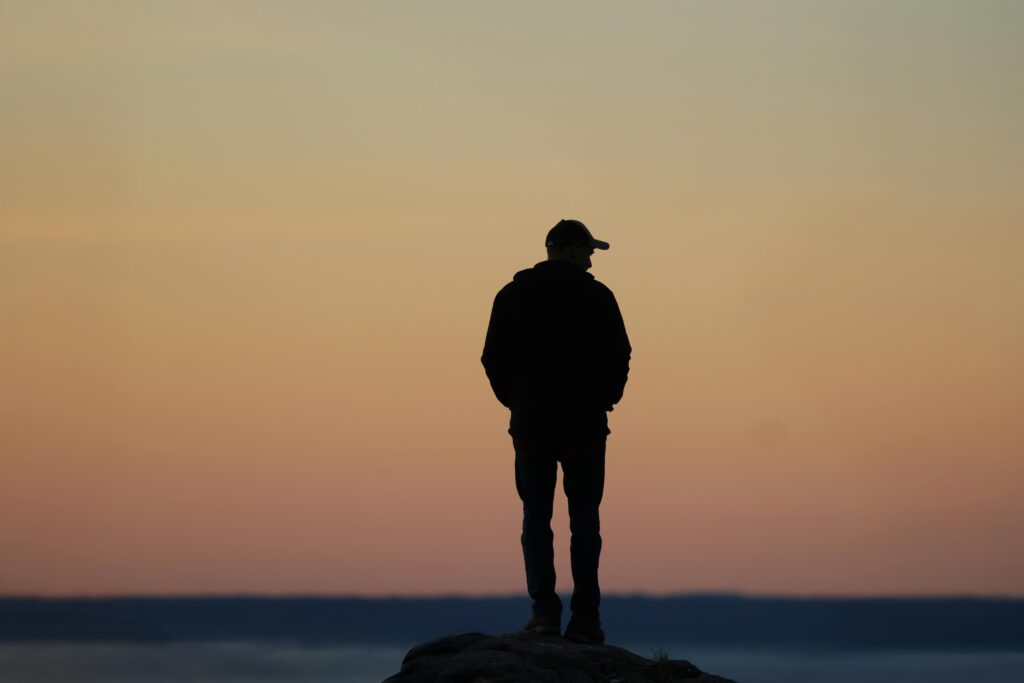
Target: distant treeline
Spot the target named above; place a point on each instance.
(708, 620)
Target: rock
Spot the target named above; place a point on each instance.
(528, 658)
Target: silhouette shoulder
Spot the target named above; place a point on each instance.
(602, 289)
(506, 290)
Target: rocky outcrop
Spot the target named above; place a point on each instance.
(525, 658)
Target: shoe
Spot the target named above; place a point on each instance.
(586, 631)
(544, 625)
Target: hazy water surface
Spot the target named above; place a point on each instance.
(195, 663)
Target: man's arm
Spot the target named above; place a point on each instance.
(495, 356)
(617, 351)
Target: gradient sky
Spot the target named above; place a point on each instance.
(248, 251)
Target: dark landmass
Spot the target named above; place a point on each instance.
(31, 623)
(697, 620)
(521, 658)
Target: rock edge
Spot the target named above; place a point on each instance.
(529, 658)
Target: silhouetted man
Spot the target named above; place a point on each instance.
(557, 355)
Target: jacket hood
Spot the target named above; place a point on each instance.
(551, 276)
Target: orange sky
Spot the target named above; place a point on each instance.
(248, 251)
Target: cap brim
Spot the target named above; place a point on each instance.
(598, 244)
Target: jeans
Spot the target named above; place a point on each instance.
(583, 482)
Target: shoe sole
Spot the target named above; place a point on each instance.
(543, 632)
(582, 640)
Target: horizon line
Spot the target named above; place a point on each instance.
(635, 595)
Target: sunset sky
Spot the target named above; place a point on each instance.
(248, 251)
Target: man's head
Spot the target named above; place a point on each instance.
(570, 241)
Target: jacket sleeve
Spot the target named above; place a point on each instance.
(496, 346)
(617, 351)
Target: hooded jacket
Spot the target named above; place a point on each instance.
(557, 353)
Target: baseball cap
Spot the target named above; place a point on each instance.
(569, 231)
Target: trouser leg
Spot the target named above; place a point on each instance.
(536, 472)
(583, 481)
